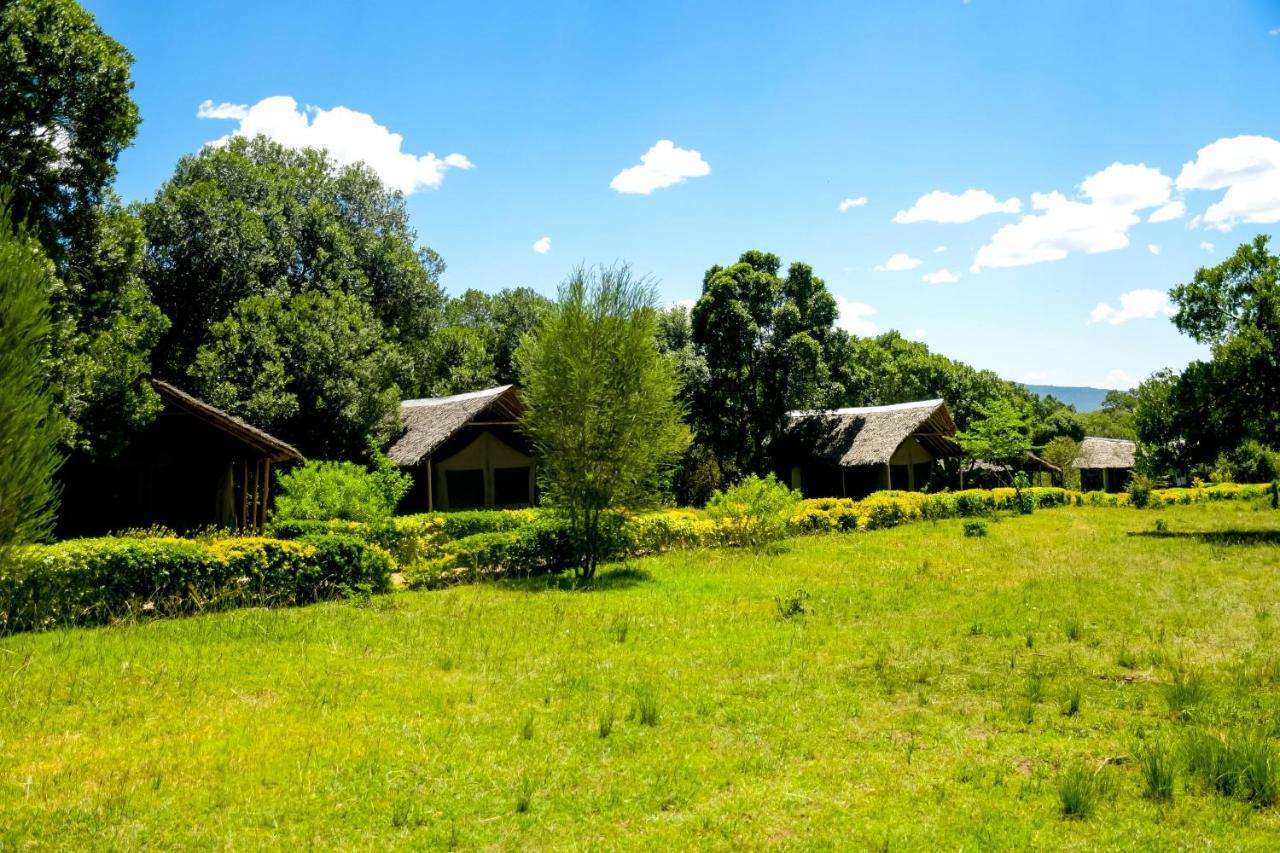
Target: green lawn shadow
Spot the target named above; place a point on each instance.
(623, 577)
(1216, 537)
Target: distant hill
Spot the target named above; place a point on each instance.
(1083, 398)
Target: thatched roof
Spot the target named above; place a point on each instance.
(1105, 453)
(431, 422)
(263, 442)
(869, 435)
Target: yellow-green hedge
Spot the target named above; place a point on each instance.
(90, 581)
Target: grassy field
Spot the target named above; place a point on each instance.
(896, 689)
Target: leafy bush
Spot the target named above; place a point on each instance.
(975, 528)
(91, 581)
(322, 490)
(754, 512)
(1140, 488)
(1023, 500)
(1250, 462)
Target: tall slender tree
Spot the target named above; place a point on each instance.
(602, 409)
(28, 421)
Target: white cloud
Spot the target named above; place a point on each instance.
(939, 250)
(852, 317)
(1172, 210)
(1274, 32)
(1118, 379)
(941, 277)
(898, 263)
(1153, 248)
(920, 334)
(1061, 225)
(348, 136)
(542, 245)
(1127, 186)
(849, 203)
(1207, 246)
(1142, 304)
(663, 165)
(1248, 168)
(686, 304)
(939, 206)
(208, 109)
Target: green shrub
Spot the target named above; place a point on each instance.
(755, 512)
(342, 566)
(322, 490)
(542, 545)
(1250, 462)
(1140, 488)
(975, 528)
(92, 581)
(1023, 500)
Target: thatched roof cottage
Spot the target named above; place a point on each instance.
(854, 452)
(1105, 464)
(465, 451)
(194, 466)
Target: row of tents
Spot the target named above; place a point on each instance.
(199, 466)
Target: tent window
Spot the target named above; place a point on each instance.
(511, 486)
(465, 486)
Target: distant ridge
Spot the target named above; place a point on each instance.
(1085, 399)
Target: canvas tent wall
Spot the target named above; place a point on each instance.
(1105, 464)
(194, 466)
(465, 451)
(855, 451)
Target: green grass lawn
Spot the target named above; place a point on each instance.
(921, 700)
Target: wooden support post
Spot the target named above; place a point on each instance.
(431, 503)
(266, 492)
(1106, 480)
(844, 489)
(244, 494)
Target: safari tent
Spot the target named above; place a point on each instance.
(194, 466)
(465, 452)
(856, 451)
(1105, 464)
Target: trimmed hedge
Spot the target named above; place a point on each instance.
(92, 581)
(439, 549)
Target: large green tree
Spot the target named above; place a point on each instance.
(891, 369)
(297, 295)
(999, 434)
(315, 368)
(28, 422)
(65, 115)
(253, 218)
(476, 346)
(1234, 308)
(770, 345)
(601, 405)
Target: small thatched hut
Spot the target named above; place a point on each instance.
(465, 451)
(854, 452)
(194, 466)
(1105, 464)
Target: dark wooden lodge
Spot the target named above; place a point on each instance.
(195, 466)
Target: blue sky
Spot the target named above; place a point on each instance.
(792, 109)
